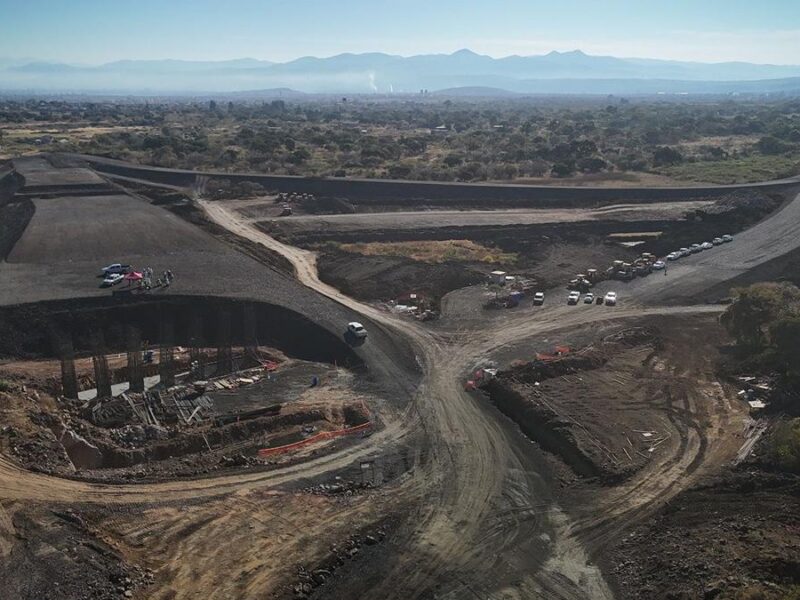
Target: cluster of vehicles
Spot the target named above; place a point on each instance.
(695, 248)
(574, 297)
(610, 299)
(114, 273)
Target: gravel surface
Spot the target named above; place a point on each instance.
(456, 218)
(39, 172)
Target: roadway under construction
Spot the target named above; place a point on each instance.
(443, 496)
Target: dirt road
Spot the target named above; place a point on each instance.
(775, 237)
(479, 473)
(487, 518)
(463, 218)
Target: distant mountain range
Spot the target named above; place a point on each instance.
(461, 73)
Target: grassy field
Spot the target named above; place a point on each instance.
(434, 251)
(66, 137)
(736, 170)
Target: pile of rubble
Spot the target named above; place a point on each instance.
(135, 436)
(340, 488)
(756, 391)
(340, 555)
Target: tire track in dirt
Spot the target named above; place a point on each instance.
(453, 517)
(471, 483)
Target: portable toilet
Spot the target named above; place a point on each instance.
(498, 277)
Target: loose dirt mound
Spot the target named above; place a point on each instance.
(541, 396)
(612, 408)
(388, 277)
(732, 213)
(54, 554)
(737, 538)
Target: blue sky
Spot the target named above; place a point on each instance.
(96, 31)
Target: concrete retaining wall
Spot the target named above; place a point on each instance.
(379, 191)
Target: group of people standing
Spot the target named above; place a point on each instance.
(165, 279)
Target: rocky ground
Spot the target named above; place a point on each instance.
(612, 407)
(387, 278)
(52, 553)
(735, 538)
(51, 435)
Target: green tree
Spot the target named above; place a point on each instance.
(299, 156)
(453, 159)
(666, 156)
(785, 337)
(784, 446)
(563, 169)
(591, 165)
(771, 145)
(756, 308)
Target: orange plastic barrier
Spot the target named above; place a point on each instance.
(558, 352)
(322, 435)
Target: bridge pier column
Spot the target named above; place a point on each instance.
(166, 358)
(135, 374)
(63, 347)
(102, 378)
(224, 353)
(166, 366)
(250, 331)
(196, 343)
(69, 379)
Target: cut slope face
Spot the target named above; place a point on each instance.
(40, 173)
(101, 228)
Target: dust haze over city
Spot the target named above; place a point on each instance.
(313, 300)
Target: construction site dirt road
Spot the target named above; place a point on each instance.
(482, 513)
(476, 466)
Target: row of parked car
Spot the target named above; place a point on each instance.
(589, 298)
(695, 248)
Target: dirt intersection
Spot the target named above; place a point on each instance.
(479, 513)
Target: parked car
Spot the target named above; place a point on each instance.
(611, 298)
(673, 255)
(116, 268)
(727, 238)
(357, 329)
(695, 248)
(716, 241)
(588, 298)
(706, 245)
(538, 298)
(685, 251)
(112, 279)
(659, 265)
(573, 297)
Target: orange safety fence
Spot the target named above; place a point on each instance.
(322, 435)
(558, 352)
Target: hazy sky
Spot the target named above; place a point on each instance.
(96, 31)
